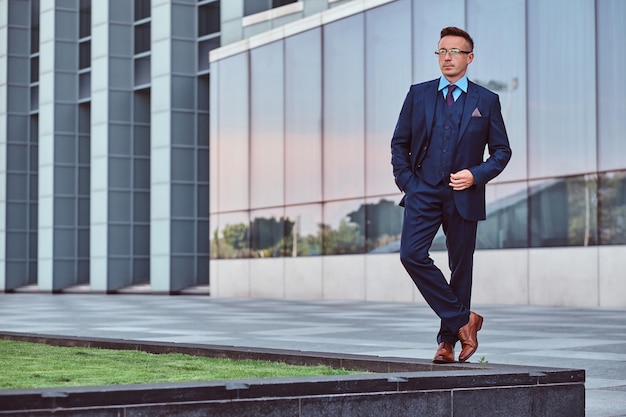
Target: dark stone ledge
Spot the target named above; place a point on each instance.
(393, 386)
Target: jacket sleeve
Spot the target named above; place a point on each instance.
(497, 145)
(401, 144)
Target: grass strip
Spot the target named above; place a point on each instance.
(33, 365)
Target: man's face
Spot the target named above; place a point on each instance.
(453, 67)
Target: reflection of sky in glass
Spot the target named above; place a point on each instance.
(500, 65)
(231, 219)
(337, 211)
(307, 218)
(273, 213)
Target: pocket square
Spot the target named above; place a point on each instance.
(476, 113)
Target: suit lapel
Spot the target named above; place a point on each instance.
(470, 104)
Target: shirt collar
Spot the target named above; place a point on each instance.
(461, 83)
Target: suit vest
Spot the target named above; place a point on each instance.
(437, 164)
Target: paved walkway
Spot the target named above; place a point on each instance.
(590, 339)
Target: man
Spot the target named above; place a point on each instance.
(437, 156)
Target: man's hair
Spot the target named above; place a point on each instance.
(455, 31)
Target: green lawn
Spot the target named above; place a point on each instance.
(34, 365)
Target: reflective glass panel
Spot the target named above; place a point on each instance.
(562, 103)
(305, 238)
(142, 9)
(209, 18)
(383, 224)
(611, 34)
(85, 18)
(388, 40)
(142, 38)
(504, 71)
(343, 229)
(268, 233)
(429, 17)
(232, 239)
(612, 208)
(233, 155)
(563, 212)
(266, 126)
(303, 115)
(507, 217)
(255, 6)
(344, 119)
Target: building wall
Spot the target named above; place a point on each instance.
(104, 159)
(303, 203)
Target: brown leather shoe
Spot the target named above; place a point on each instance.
(468, 335)
(445, 353)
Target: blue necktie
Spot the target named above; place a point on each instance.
(449, 98)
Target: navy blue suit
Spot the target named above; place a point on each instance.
(421, 144)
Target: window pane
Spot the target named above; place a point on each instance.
(84, 81)
(142, 71)
(303, 112)
(232, 114)
(383, 224)
(612, 208)
(34, 69)
(305, 238)
(142, 38)
(266, 126)
(343, 229)
(503, 72)
(611, 35)
(203, 52)
(563, 212)
(209, 18)
(561, 120)
(85, 18)
(233, 236)
(388, 39)
(278, 3)
(344, 122)
(255, 6)
(34, 26)
(84, 55)
(268, 229)
(142, 9)
(34, 98)
(507, 217)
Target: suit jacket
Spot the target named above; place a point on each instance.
(481, 126)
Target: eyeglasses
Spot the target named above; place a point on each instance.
(452, 52)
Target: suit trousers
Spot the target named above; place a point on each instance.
(426, 208)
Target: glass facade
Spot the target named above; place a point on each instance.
(308, 162)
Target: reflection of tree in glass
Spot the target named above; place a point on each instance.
(267, 235)
(345, 240)
(583, 204)
(380, 223)
(612, 207)
(236, 235)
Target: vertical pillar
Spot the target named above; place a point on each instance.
(60, 187)
(18, 145)
(176, 177)
(111, 214)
